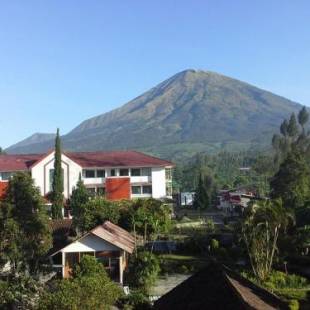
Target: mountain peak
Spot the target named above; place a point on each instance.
(194, 110)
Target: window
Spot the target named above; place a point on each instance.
(89, 173)
(168, 174)
(100, 173)
(51, 177)
(135, 172)
(136, 190)
(91, 191)
(169, 189)
(147, 172)
(123, 172)
(112, 173)
(5, 176)
(147, 189)
(100, 191)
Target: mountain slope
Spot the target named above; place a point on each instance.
(36, 138)
(192, 109)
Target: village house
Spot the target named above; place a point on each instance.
(116, 174)
(108, 243)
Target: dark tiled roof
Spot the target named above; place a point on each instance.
(18, 162)
(86, 159)
(116, 159)
(216, 288)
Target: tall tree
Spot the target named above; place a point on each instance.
(292, 182)
(79, 197)
(57, 185)
(202, 199)
(292, 128)
(303, 117)
(27, 229)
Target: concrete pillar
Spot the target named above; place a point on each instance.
(63, 262)
(121, 269)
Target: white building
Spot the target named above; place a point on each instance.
(117, 174)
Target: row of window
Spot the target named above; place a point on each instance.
(135, 190)
(5, 176)
(101, 173)
(144, 189)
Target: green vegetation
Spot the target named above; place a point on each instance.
(94, 212)
(143, 270)
(25, 238)
(24, 231)
(56, 196)
(176, 263)
(288, 286)
(79, 197)
(260, 229)
(223, 170)
(89, 288)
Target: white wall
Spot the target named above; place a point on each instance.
(158, 182)
(90, 243)
(41, 174)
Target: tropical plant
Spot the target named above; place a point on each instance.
(260, 229)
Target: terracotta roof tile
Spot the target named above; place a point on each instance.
(24, 162)
(18, 162)
(117, 159)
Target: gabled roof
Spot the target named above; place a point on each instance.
(115, 235)
(117, 159)
(217, 287)
(22, 162)
(111, 233)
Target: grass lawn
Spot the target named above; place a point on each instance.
(173, 263)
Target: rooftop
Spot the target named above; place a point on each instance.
(24, 162)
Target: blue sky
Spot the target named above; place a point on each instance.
(62, 62)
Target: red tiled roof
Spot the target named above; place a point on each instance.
(86, 159)
(117, 159)
(20, 162)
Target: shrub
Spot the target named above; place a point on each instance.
(214, 244)
(90, 288)
(136, 300)
(293, 304)
(143, 270)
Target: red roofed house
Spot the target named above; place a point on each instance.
(118, 174)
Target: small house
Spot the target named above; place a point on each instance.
(109, 243)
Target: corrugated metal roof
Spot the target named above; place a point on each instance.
(112, 234)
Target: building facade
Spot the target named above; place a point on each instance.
(117, 175)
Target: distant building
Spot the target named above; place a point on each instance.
(187, 198)
(229, 200)
(117, 174)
